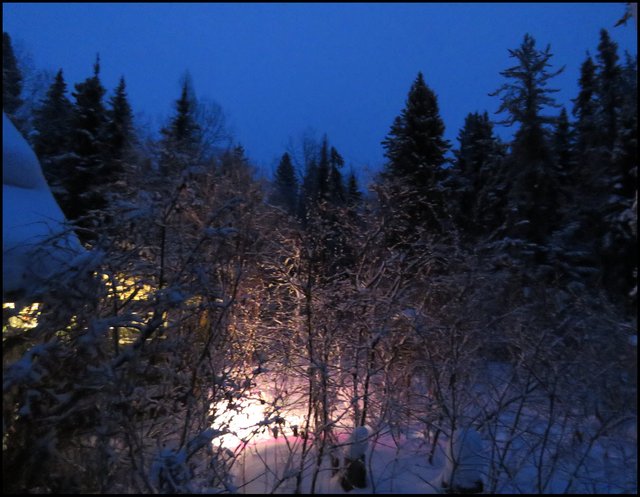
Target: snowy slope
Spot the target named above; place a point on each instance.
(37, 244)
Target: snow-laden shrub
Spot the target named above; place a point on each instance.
(465, 462)
(355, 472)
(358, 443)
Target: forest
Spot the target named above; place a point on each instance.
(477, 301)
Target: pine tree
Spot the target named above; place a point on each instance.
(11, 78)
(324, 168)
(336, 182)
(51, 140)
(619, 106)
(415, 151)
(181, 138)
(476, 176)
(525, 97)
(323, 184)
(565, 243)
(85, 175)
(626, 149)
(608, 88)
(119, 171)
(120, 134)
(562, 146)
(604, 179)
(321, 202)
(337, 252)
(533, 183)
(285, 185)
(605, 185)
(585, 109)
(583, 215)
(308, 194)
(354, 195)
(590, 154)
(354, 214)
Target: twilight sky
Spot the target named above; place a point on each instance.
(279, 70)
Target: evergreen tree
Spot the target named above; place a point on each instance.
(604, 178)
(328, 184)
(336, 183)
(476, 176)
(353, 194)
(11, 78)
(285, 185)
(336, 244)
(533, 183)
(563, 149)
(119, 175)
(619, 242)
(354, 214)
(584, 110)
(608, 88)
(606, 109)
(85, 174)
(308, 194)
(583, 215)
(234, 165)
(564, 242)
(51, 140)
(181, 138)
(626, 149)
(323, 184)
(322, 177)
(588, 186)
(415, 151)
(321, 202)
(525, 96)
(120, 134)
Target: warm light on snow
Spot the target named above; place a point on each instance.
(257, 418)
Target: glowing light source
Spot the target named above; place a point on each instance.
(256, 419)
(127, 287)
(25, 318)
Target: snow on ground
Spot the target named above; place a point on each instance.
(271, 466)
(397, 460)
(400, 465)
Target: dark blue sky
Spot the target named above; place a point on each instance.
(281, 69)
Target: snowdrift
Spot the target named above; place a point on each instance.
(37, 244)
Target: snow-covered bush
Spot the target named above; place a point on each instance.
(465, 462)
(354, 471)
